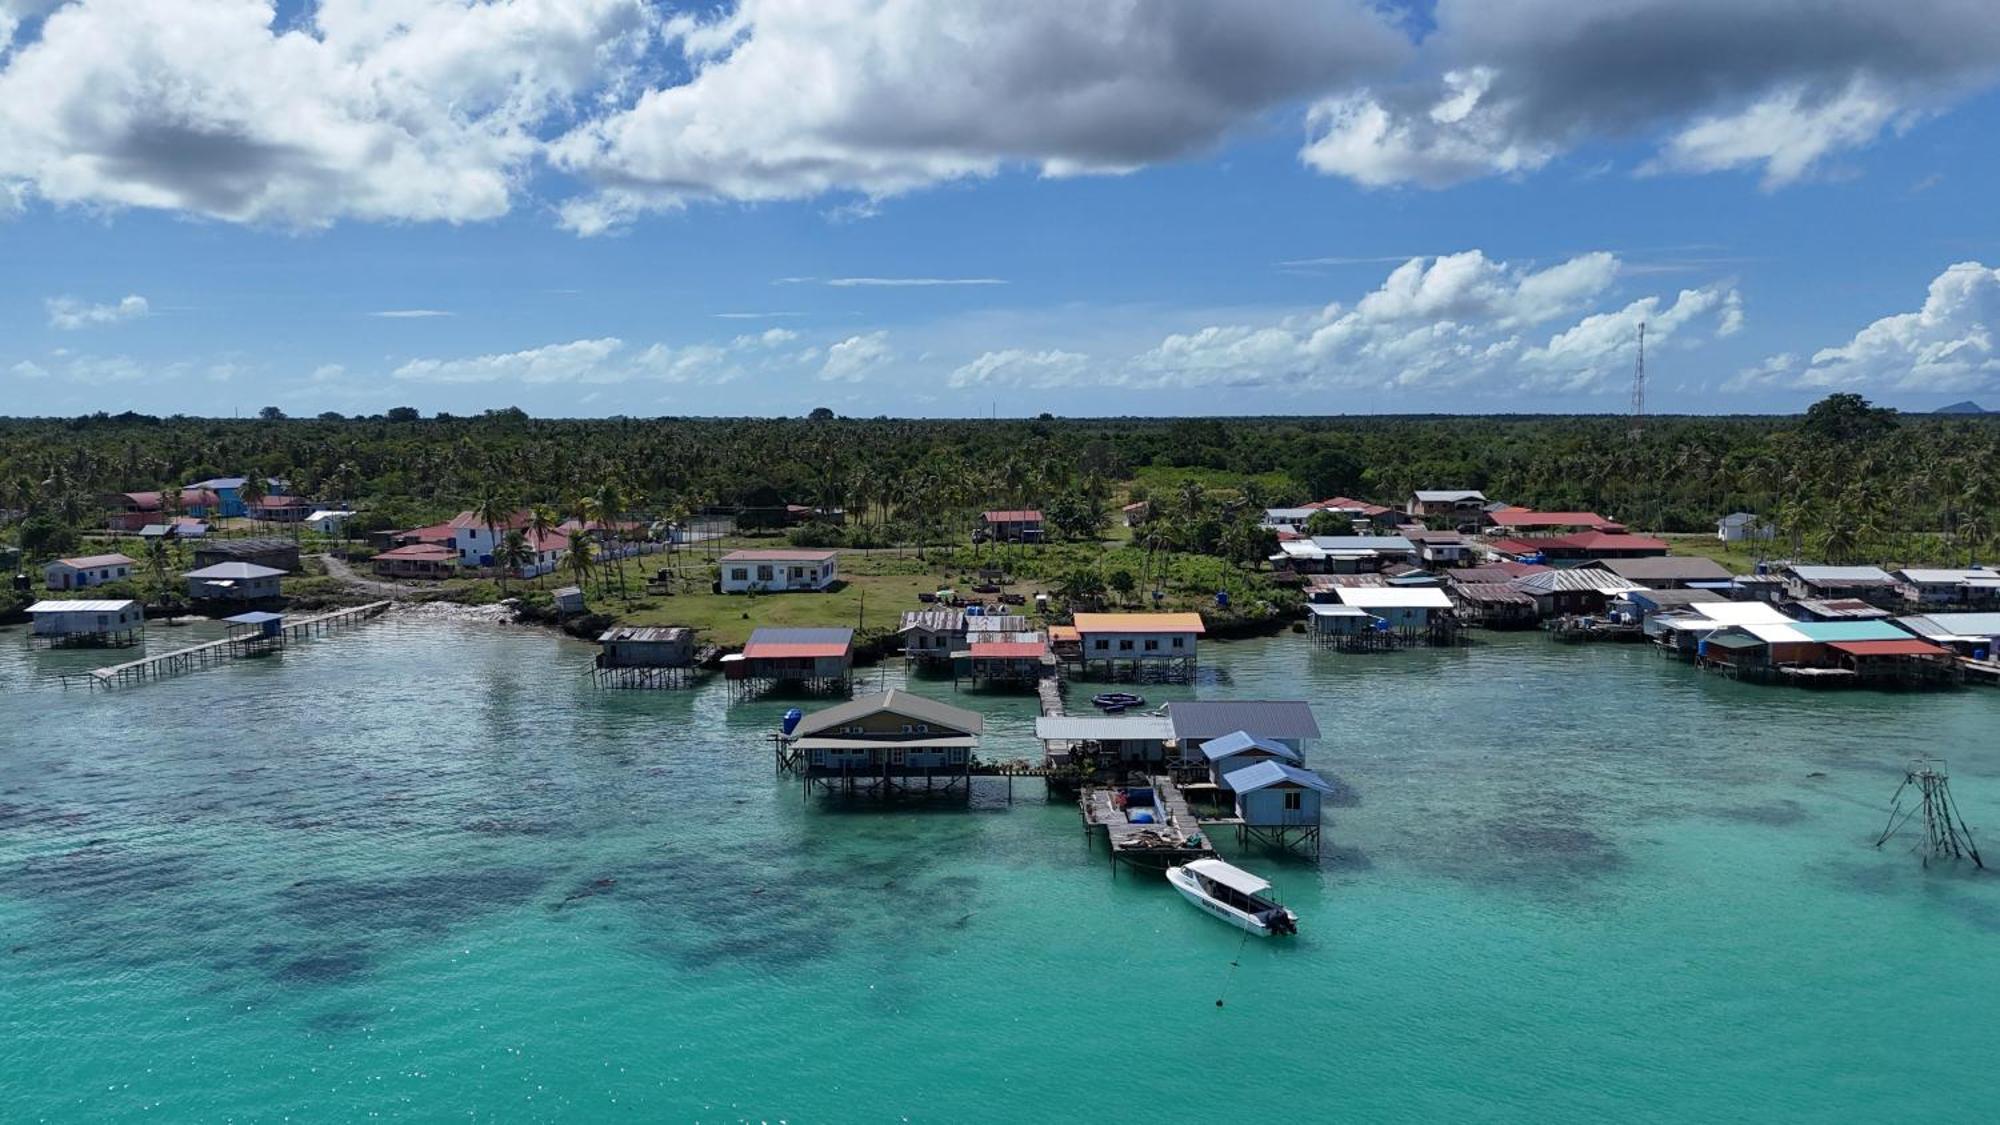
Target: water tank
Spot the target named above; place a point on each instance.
(792, 718)
(1222, 598)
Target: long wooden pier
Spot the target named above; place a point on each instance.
(196, 657)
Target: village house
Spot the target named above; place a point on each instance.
(1404, 610)
(1013, 659)
(1196, 721)
(417, 560)
(1439, 548)
(1837, 609)
(930, 636)
(1288, 519)
(568, 600)
(1162, 642)
(1739, 526)
(1974, 635)
(233, 582)
(1938, 588)
(1345, 554)
(279, 509)
(1111, 741)
(1642, 604)
(1020, 525)
(329, 521)
(278, 554)
(1493, 605)
(1460, 504)
(1581, 546)
(669, 646)
(1279, 803)
(887, 742)
(1137, 512)
(1584, 590)
(1661, 572)
(85, 571)
(228, 496)
(478, 545)
(131, 511)
(811, 657)
(1379, 518)
(183, 527)
(1868, 583)
(103, 622)
(772, 571)
(1528, 522)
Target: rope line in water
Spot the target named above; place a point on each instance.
(1229, 978)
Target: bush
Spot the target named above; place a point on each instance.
(816, 535)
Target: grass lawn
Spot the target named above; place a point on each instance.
(1740, 556)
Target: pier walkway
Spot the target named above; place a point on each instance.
(196, 657)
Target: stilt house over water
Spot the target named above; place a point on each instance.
(87, 622)
(891, 742)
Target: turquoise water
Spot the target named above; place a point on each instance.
(420, 871)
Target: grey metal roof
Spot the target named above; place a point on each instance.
(1581, 578)
(254, 617)
(1936, 625)
(1664, 598)
(1842, 575)
(1363, 543)
(996, 623)
(235, 571)
(773, 635)
(246, 546)
(1243, 742)
(1448, 495)
(1104, 728)
(1502, 593)
(83, 605)
(1682, 568)
(896, 700)
(670, 634)
(1271, 718)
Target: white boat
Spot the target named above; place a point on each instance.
(1233, 895)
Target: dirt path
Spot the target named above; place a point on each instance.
(338, 569)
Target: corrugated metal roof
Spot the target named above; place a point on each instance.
(1841, 608)
(1843, 575)
(1328, 609)
(1336, 543)
(996, 623)
(1664, 598)
(1267, 773)
(1495, 593)
(935, 620)
(1774, 632)
(1395, 597)
(779, 643)
(1008, 650)
(83, 605)
(1829, 631)
(1447, 495)
(1966, 624)
(668, 634)
(254, 617)
(1943, 577)
(86, 562)
(1666, 569)
(1908, 646)
(777, 555)
(1205, 718)
(1104, 728)
(1741, 613)
(236, 571)
(1139, 623)
(1243, 742)
(1582, 578)
(897, 701)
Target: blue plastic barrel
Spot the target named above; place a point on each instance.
(792, 718)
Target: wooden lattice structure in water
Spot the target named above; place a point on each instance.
(1944, 834)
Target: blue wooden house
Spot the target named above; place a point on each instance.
(1278, 803)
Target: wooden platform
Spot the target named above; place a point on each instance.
(1152, 846)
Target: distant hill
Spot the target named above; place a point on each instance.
(1966, 407)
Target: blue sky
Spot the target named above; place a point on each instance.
(659, 215)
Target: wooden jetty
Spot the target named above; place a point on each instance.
(239, 644)
(1177, 838)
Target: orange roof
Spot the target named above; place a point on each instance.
(1911, 647)
(778, 650)
(1139, 623)
(1008, 650)
(1064, 633)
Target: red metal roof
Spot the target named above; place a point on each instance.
(426, 552)
(1021, 515)
(1525, 517)
(1604, 541)
(1911, 647)
(86, 562)
(1008, 650)
(772, 650)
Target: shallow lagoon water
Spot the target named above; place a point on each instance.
(421, 870)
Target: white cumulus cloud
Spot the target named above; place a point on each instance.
(850, 360)
(1948, 345)
(610, 359)
(1017, 367)
(70, 314)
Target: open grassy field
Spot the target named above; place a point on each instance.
(1741, 556)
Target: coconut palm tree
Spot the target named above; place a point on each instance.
(543, 525)
(253, 492)
(511, 555)
(493, 510)
(581, 561)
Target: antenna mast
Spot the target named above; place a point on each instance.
(1639, 386)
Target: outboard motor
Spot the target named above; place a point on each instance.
(792, 718)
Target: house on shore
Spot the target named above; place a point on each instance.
(1870, 584)
(1284, 721)
(1149, 645)
(1014, 525)
(1407, 611)
(233, 582)
(87, 622)
(886, 743)
(131, 511)
(1345, 554)
(84, 571)
(418, 560)
(278, 554)
(1493, 605)
(1442, 549)
(1945, 588)
(1644, 603)
(1974, 635)
(1288, 519)
(1737, 527)
(1465, 505)
(778, 570)
(1584, 590)
(1376, 518)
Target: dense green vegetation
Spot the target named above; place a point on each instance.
(1844, 481)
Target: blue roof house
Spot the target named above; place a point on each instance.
(1240, 749)
(1278, 803)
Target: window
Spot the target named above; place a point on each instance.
(739, 574)
(764, 574)
(1294, 800)
(1180, 642)
(1152, 645)
(1125, 645)
(1100, 645)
